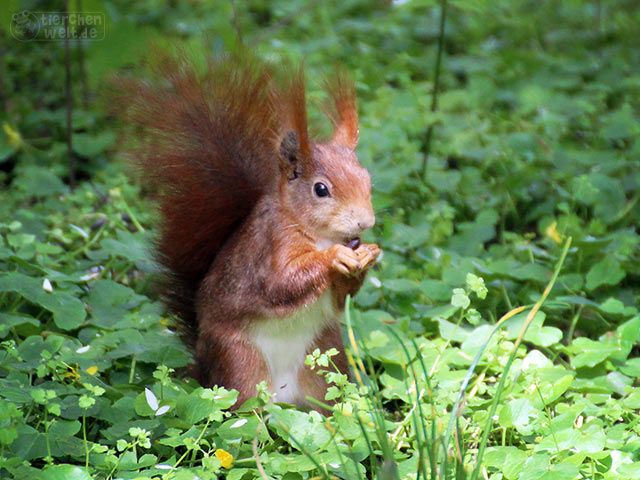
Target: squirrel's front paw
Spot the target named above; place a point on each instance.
(345, 261)
(367, 254)
(353, 262)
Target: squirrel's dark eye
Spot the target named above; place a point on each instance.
(321, 190)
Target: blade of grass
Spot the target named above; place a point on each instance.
(388, 472)
(418, 417)
(359, 372)
(433, 460)
(503, 377)
(455, 411)
(333, 432)
(461, 473)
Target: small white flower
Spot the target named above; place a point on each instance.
(162, 410)
(79, 230)
(89, 276)
(152, 401)
(239, 423)
(46, 285)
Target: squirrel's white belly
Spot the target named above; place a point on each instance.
(283, 343)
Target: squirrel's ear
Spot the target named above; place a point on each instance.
(290, 155)
(342, 110)
(295, 148)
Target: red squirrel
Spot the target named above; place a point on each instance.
(260, 224)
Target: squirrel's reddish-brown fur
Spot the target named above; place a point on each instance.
(207, 142)
(244, 239)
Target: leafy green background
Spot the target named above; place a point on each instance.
(534, 140)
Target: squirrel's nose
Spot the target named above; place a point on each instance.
(366, 219)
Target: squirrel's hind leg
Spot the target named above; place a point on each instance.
(231, 362)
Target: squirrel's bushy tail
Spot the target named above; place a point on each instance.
(207, 139)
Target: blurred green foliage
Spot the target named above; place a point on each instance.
(535, 139)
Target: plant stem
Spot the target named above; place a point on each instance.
(436, 86)
(256, 456)
(46, 435)
(84, 438)
(68, 96)
(572, 327)
(506, 295)
(197, 442)
(84, 84)
(132, 370)
(132, 216)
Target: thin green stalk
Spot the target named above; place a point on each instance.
(549, 418)
(505, 295)
(373, 400)
(352, 456)
(418, 417)
(84, 439)
(436, 85)
(572, 327)
(184, 455)
(132, 370)
(68, 93)
(85, 247)
(461, 473)
(46, 435)
(434, 451)
(505, 373)
(377, 409)
(132, 216)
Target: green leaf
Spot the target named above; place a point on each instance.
(65, 472)
(607, 271)
(476, 285)
(589, 353)
(519, 414)
(130, 246)
(537, 333)
(63, 428)
(9, 321)
(509, 460)
(539, 467)
(39, 182)
(6, 150)
(110, 302)
(551, 383)
(460, 299)
(90, 145)
(68, 311)
(303, 431)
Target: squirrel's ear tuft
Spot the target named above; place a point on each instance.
(293, 100)
(291, 155)
(342, 109)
